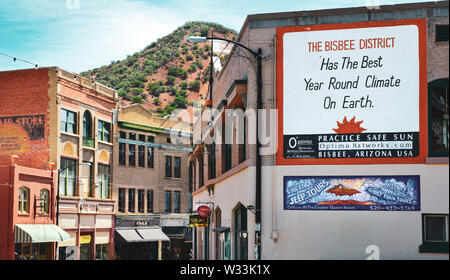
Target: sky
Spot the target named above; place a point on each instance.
(79, 35)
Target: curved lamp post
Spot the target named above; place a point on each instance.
(258, 55)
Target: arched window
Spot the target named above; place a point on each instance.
(24, 200)
(87, 129)
(44, 201)
(438, 118)
(240, 233)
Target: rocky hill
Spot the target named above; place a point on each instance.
(168, 74)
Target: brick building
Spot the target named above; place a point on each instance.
(151, 187)
(49, 115)
(28, 199)
(328, 199)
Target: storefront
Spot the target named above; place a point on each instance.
(89, 223)
(37, 242)
(140, 238)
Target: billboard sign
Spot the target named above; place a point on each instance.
(371, 193)
(352, 93)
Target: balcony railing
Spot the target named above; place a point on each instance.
(88, 142)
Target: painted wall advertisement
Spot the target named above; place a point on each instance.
(351, 92)
(372, 193)
(17, 131)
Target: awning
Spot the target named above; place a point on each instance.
(221, 229)
(153, 234)
(143, 235)
(33, 233)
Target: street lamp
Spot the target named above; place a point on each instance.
(258, 55)
(57, 192)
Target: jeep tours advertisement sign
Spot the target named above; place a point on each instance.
(352, 93)
(371, 193)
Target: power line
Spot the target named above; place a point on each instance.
(19, 59)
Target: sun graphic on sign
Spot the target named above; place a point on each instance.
(349, 126)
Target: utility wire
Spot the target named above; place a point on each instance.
(19, 59)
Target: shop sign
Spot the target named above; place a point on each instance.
(198, 221)
(372, 193)
(85, 239)
(353, 93)
(203, 211)
(151, 221)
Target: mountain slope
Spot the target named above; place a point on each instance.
(166, 75)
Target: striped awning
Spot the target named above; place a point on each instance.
(143, 235)
(33, 233)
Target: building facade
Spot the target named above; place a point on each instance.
(151, 186)
(326, 191)
(65, 120)
(28, 199)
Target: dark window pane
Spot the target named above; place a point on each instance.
(131, 155)
(121, 200)
(141, 156)
(130, 200)
(122, 153)
(435, 228)
(442, 33)
(176, 202)
(149, 157)
(177, 167)
(168, 166)
(150, 201)
(168, 202)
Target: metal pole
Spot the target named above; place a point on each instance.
(258, 158)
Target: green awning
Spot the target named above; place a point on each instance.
(33, 233)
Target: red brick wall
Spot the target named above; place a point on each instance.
(24, 93)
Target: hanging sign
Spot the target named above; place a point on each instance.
(373, 193)
(203, 211)
(198, 221)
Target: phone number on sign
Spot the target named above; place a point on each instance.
(392, 208)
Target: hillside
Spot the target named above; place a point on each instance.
(166, 75)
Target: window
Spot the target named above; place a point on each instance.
(141, 201)
(150, 157)
(67, 177)
(141, 138)
(176, 202)
(24, 200)
(438, 118)
(122, 154)
(227, 163)
(442, 33)
(168, 202)
(131, 155)
(121, 200)
(149, 201)
(130, 200)
(177, 167)
(211, 160)
(123, 134)
(104, 131)
(434, 233)
(43, 201)
(101, 251)
(151, 139)
(132, 136)
(68, 121)
(240, 234)
(103, 180)
(168, 166)
(87, 125)
(141, 156)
